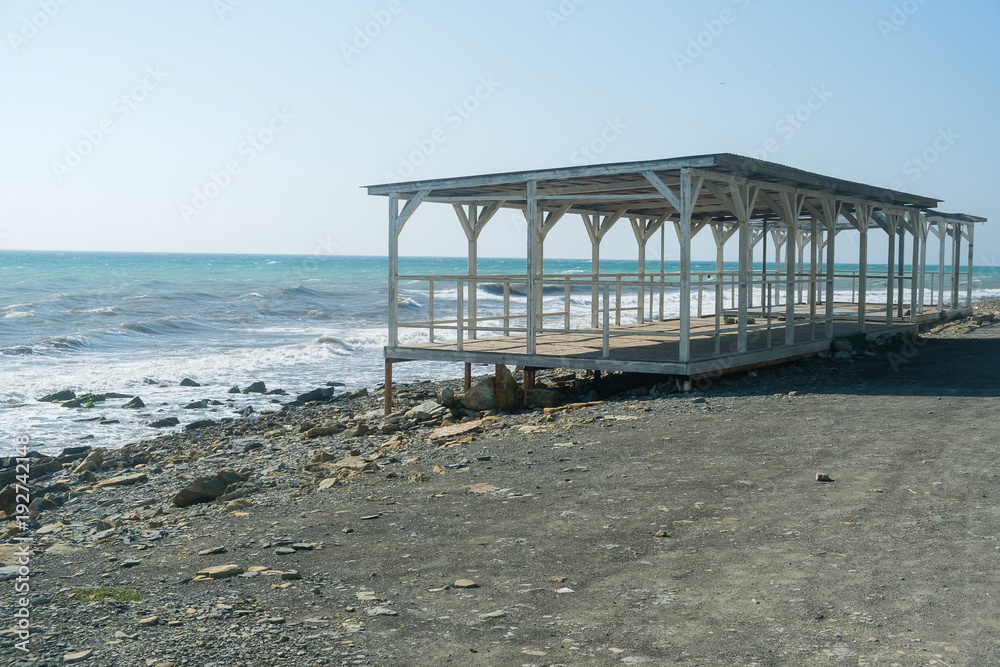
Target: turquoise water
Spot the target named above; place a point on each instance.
(130, 322)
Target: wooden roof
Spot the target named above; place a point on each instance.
(607, 189)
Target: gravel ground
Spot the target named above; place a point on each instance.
(673, 529)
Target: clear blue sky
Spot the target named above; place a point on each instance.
(116, 113)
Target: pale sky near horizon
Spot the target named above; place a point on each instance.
(250, 125)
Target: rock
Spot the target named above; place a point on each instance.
(149, 620)
(212, 551)
(291, 575)
(447, 397)
(661, 533)
(89, 477)
(9, 572)
(131, 562)
(123, 480)
(842, 355)
(358, 431)
(359, 393)
(506, 390)
(77, 656)
(466, 583)
(166, 422)
(221, 571)
(197, 405)
(355, 464)
(841, 345)
(135, 404)
(543, 398)
(328, 483)
(455, 430)
(256, 388)
(302, 546)
(201, 423)
(63, 550)
(381, 611)
(321, 394)
(234, 390)
(247, 411)
(823, 477)
(328, 428)
(188, 382)
(284, 551)
(93, 462)
(39, 505)
(499, 613)
(698, 399)
(58, 397)
(481, 396)
(206, 489)
(428, 410)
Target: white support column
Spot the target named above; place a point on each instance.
(397, 219)
(915, 270)
(813, 270)
(968, 289)
(393, 271)
(923, 226)
(864, 214)
(890, 287)
(791, 209)
(746, 259)
(956, 263)
(942, 239)
(831, 240)
(900, 266)
(534, 293)
(689, 195)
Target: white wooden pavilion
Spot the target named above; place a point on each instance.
(763, 313)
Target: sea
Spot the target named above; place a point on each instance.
(138, 323)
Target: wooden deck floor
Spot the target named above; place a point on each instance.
(654, 346)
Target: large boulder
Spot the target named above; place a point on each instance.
(481, 396)
(543, 398)
(506, 390)
(207, 489)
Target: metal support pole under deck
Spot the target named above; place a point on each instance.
(388, 387)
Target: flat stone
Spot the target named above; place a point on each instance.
(131, 562)
(465, 583)
(328, 483)
(123, 480)
(455, 430)
(63, 550)
(205, 489)
(284, 551)
(77, 656)
(381, 611)
(9, 572)
(499, 613)
(221, 571)
(50, 528)
(213, 550)
(149, 620)
(291, 575)
(302, 546)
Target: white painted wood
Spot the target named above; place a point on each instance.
(942, 236)
(533, 290)
(393, 270)
(863, 215)
(970, 232)
(956, 263)
(665, 190)
(890, 287)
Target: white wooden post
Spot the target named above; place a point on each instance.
(689, 195)
(890, 223)
(968, 288)
(942, 239)
(956, 263)
(534, 269)
(393, 271)
(923, 226)
(864, 214)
